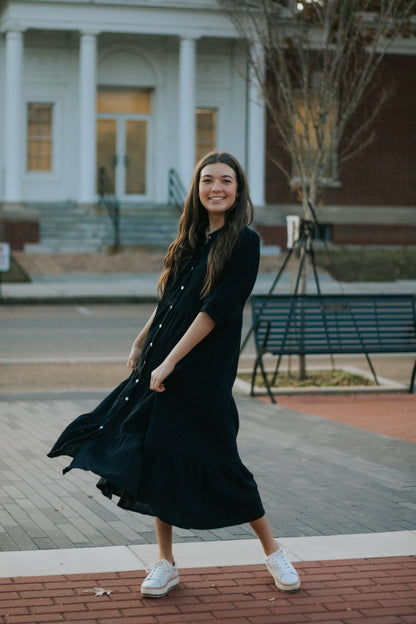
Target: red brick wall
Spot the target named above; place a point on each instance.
(272, 235)
(346, 234)
(374, 234)
(384, 174)
(17, 233)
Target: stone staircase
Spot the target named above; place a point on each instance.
(155, 225)
(69, 228)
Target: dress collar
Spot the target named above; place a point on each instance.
(213, 234)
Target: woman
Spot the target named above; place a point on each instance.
(164, 441)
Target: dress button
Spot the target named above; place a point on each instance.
(182, 287)
(160, 326)
(170, 307)
(151, 344)
(101, 427)
(137, 380)
(126, 398)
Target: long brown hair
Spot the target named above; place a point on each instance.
(194, 221)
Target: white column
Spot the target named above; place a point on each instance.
(13, 121)
(186, 110)
(256, 135)
(87, 117)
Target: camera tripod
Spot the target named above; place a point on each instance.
(304, 243)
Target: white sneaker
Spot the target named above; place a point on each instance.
(161, 578)
(285, 576)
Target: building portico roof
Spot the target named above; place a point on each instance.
(184, 18)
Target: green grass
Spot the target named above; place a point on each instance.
(16, 273)
(369, 265)
(319, 378)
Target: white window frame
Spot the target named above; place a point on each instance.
(55, 174)
(208, 108)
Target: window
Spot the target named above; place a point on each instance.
(206, 131)
(39, 136)
(123, 100)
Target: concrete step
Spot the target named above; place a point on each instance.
(67, 228)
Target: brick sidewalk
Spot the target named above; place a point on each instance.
(316, 477)
(389, 414)
(374, 591)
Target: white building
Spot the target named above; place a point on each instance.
(135, 86)
(139, 87)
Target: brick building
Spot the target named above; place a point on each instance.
(374, 200)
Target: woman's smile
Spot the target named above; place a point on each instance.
(217, 189)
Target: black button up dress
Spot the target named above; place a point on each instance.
(174, 454)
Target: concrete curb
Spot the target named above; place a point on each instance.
(205, 554)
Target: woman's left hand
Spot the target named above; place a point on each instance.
(159, 375)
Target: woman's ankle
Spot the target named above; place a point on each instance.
(272, 548)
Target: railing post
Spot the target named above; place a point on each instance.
(176, 191)
(112, 206)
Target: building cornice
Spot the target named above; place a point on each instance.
(194, 19)
(183, 18)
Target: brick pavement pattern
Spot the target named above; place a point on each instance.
(316, 477)
(370, 591)
(389, 414)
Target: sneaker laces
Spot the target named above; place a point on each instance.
(280, 560)
(157, 568)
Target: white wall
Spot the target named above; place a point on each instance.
(51, 75)
(2, 112)
(221, 85)
(132, 57)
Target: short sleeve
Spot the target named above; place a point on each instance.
(228, 297)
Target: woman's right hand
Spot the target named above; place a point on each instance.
(134, 357)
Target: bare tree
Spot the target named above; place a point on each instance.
(315, 62)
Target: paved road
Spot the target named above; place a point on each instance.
(64, 332)
(72, 337)
(61, 347)
(68, 331)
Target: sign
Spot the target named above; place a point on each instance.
(293, 229)
(4, 257)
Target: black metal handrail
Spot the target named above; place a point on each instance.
(109, 200)
(176, 190)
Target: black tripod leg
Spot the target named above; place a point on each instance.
(253, 377)
(266, 381)
(276, 370)
(315, 273)
(372, 368)
(246, 339)
(271, 289)
(412, 379)
(282, 268)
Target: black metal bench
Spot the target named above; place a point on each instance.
(332, 324)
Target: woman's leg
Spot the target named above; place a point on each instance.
(164, 539)
(163, 575)
(284, 574)
(262, 529)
